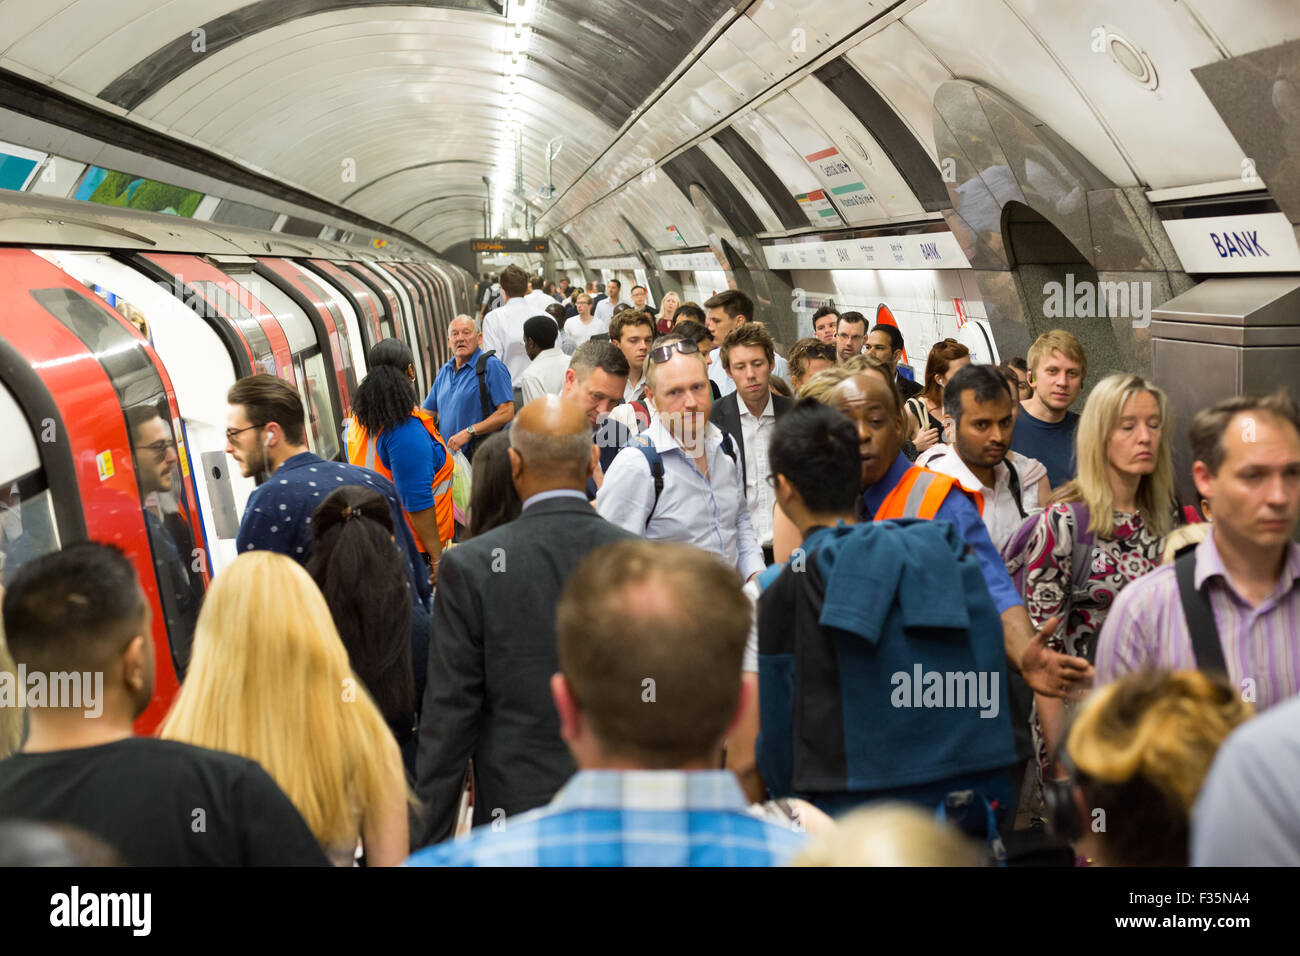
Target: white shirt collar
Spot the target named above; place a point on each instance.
(665, 441)
(768, 411)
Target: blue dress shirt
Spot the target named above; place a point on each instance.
(454, 397)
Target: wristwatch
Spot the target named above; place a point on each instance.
(471, 431)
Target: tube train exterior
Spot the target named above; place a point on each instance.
(120, 334)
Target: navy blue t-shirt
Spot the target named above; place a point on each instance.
(1052, 443)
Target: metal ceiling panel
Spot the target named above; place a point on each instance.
(906, 74)
(720, 158)
(859, 147)
(785, 162)
(985, 42)
(1245, 26)
(1134, 62)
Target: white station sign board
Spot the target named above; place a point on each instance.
(930, 250)
(1257, 243)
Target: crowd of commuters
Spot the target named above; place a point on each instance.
(688, 616)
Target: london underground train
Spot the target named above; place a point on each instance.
(120, 333)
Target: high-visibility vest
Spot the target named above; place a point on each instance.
(920, 493)
(361, 451)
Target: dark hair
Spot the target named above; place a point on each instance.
(1017, 362)
(853, 318)
(984, 380)
(615, 282)
(689, 312)
(816, 448)
(1012, 380)
(267, 399)
(514, 281)
(598, 354)
(493, 500)
(689, 329)
(73, 610)
(895, 336)
(362, 575)
(780, 386)
(384, 398)
(942, 355)
(137, 415)
(825, 311)
(1206, 433)
(541, 330)
(556, 312)
(733, 302)
(641, 287)
(626, 317)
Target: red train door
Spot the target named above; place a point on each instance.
(119, 424)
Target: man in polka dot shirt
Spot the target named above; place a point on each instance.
(265, 435)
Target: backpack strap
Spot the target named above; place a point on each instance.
(1013, 479)
(480, 370)
(1201, 626)
(656, 463)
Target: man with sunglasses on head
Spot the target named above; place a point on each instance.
(679, 480)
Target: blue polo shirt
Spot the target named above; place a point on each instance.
(279, 512)
(958, 509)
(454, 397)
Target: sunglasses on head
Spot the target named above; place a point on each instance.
(663, 353)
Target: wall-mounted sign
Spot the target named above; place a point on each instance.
(690, 262)
(930, 250)
(509, 245)
(1259, 243)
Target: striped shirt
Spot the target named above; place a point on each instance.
(629, 818)
(1146, 627)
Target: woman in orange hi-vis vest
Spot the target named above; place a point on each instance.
(391, 435)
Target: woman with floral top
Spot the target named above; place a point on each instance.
(1124, 493)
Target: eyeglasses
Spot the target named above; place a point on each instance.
(663, 353)
(232, 432)
(160, 448)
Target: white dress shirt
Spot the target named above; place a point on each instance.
(544, 376)
(539, 300)
(503, 332)
(756, 433)
(1001, 516)
(605, 310)
(579, 331)
(709, 514)
(718, 374)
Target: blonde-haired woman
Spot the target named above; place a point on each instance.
(270, 680)
(1124, 497)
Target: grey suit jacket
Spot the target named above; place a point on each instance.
(492, 651)
(726, 415)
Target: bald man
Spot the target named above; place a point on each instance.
(493, 646)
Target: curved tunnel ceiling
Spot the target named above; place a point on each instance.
(399, 111)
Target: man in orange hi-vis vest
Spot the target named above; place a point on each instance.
(895, 488)
(390, 435)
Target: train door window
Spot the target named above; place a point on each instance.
(308, 363)
(227, 304)
(27, 525)
(345, 325)
(164, 496)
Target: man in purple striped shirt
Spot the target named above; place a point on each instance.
(1247, 465)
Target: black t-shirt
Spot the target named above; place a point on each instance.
(162, 803)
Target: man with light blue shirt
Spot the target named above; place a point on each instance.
(700, 498)
(668, 623)
(723, 312)
(469, 406)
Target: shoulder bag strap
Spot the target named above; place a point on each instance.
(1201, 626)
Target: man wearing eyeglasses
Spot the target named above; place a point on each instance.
(702, 499)
(170, 540)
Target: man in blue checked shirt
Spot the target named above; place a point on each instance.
(650, 643)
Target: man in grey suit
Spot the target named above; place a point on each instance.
(492, 649)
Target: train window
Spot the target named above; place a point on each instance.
(319, 409)
(27, 527)
(164, 497)
(340, 326)
(229, 305)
